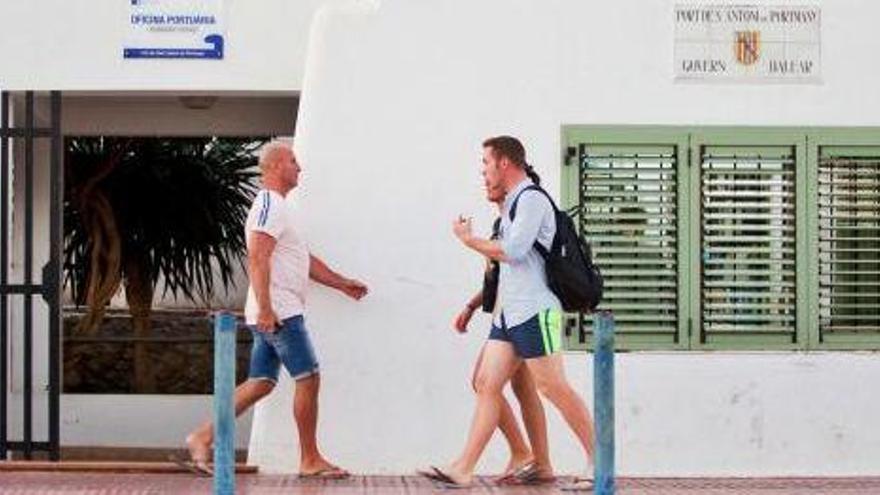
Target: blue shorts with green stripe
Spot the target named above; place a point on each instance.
(540, 335)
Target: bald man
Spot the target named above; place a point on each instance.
(279, 267)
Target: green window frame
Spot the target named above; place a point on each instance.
(729, 238)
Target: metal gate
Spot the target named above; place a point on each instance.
(21, 139)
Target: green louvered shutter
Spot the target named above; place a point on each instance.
(747, 246)
(629, 199)
(849, 243)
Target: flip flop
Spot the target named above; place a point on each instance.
(579, 485)
(523, 475)
(431, 475)
(444, 480)
(197, 467)
(536, 481)
(331, 473)
(527, 472)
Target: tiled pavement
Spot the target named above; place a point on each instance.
(33, 483)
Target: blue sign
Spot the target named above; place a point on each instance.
(175, 29)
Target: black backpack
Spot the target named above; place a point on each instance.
(571, 274)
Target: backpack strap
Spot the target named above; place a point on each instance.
(541, 250)
(496, 229)
(530, 188)
(538, 247)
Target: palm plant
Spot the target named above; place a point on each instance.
(141, 210)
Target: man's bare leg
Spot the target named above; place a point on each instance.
(200, 441)
(520, 454)
(533, 416)
(549, 376)
(305, 414)
(499, 363)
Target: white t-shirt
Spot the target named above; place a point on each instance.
(289, 266)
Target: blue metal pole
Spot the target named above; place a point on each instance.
(224, 414)
(603, 402)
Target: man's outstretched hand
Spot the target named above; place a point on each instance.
(354, 289)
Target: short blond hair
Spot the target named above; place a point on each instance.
(269, 151)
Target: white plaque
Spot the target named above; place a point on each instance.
(747, 43)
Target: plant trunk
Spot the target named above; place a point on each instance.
(139, 293)
(104, 277)
(105, 250)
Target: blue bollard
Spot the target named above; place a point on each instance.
(224, 413)
(603, 402)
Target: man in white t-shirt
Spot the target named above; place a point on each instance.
(280, 266)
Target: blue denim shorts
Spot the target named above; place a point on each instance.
(539, 336)
(289, 345)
